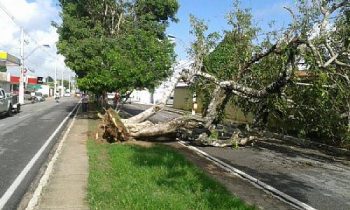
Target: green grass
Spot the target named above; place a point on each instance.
(134, 177)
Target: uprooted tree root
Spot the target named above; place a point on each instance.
(189, 128)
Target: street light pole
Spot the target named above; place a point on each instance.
(62, 83)
(55, 82)
(21, 77)
(69, 83)
(22, 69)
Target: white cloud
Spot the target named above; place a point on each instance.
(35, 17)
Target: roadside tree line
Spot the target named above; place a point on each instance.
(122, 45)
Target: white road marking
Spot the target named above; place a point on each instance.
(9, 192)
(278, 194)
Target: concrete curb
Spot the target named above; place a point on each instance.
(46, 176)
(262, 185)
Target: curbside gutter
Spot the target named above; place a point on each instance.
(262, 185)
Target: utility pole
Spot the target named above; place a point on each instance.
(69, 83)
(194, 105)
(62, 83)
(21, 77)
(55, 82)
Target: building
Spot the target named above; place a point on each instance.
(146, 97)
(7, 59)
(5, 81)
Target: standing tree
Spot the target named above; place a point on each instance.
(117, 44)
(3, 69)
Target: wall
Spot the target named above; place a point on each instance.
(45, 90)
(183, 100)
(141, 96)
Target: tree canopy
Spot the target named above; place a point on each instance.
(295, 80)
(3, 69)
(117, 45)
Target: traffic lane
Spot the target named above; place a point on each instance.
(20, 146)
(323, 185)
(8, 123)
(22, 143)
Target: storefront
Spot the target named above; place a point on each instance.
(5, 78)
(7, 59)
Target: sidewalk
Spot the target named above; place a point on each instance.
(67, 185)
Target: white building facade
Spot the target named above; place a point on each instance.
(146, 97)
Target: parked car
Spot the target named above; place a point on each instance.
(8, 103)
(27, 95)
(38, 97)
(66, 95)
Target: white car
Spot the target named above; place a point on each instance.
(38, 96)
(66, 95)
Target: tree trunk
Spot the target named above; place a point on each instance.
(167, 129)
(215, 106)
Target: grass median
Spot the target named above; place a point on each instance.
(124, 176)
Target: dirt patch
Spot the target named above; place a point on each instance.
(236, 185)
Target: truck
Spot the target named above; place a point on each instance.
(8, 103)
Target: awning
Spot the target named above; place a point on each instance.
(33, 87)
(8, 59)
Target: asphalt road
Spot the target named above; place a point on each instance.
(312, 179)
(21, 136)
(311, 176)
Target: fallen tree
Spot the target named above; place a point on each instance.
(198, 130)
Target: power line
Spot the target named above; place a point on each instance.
(14, 20)
(8, 13)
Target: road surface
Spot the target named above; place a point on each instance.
(21, 137)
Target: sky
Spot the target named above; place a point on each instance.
(213, 12)
(35, 16)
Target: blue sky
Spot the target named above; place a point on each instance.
(36, 16)
(214, 12)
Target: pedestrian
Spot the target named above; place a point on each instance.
(57, 96)
(85, 101)
(116, 99)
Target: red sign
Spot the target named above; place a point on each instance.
(14, 80)
(32, 81)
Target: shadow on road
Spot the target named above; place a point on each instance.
(282, 181)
